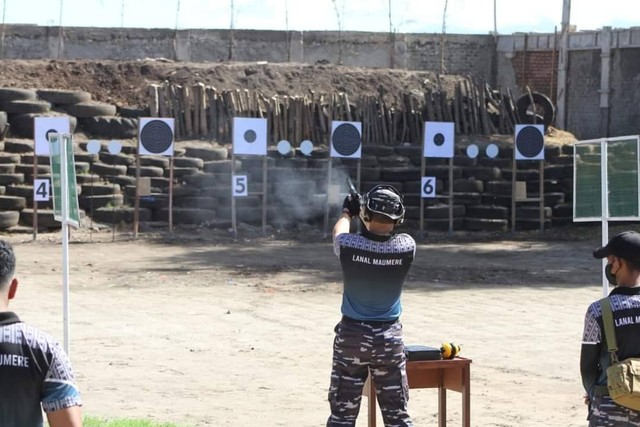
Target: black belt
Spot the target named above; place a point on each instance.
(374, 323)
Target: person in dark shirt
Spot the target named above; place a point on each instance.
(622, 271)
(35, 372)
(368, 339)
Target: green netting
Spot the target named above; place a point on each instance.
(588, 197)
(622, 179)
(622, 174)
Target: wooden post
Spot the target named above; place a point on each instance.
(187, 111)
(171, 195)
(154, 100)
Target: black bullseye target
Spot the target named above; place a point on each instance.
(438, 139)
(250, 136)
(156, 137)
(346, 139)
(530, 142)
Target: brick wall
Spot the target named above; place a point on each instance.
(538, 70)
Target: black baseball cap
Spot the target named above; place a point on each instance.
(623, 245)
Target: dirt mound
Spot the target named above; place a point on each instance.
(126, 82)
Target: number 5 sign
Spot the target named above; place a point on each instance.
(239, 186)
(41, 190)
(428, 187)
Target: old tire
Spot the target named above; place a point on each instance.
(14, 94)
(25, 107)
(89, 109)
(9, 219)
(63, 97)
(12, 203)
(542, 105)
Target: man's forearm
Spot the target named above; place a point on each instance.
(343, 224)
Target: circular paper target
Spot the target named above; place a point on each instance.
(438, 139)
(156, 136)
(93, 147)
(250, 136)
(114, 147)
(284, 147)
(529, 141)
(472, 151)
(492, 150)
(346, 139)
(306, 147)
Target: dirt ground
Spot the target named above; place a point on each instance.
(199, 329)
(125, 83)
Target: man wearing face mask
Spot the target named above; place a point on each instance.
(623, 272)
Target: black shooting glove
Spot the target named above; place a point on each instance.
(351, 205)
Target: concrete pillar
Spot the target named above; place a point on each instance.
(563, 63)
(296, 46)
(55, 41)
(605, 84)
(182, 45)
(400, 51)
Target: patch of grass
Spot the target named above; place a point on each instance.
(98, 422)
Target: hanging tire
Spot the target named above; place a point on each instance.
(63, 97)
(544, 110)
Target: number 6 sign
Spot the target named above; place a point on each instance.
(239, 186)
(428, 187)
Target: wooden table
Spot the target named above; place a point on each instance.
(441, 374)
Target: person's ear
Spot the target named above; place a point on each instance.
(13, 287)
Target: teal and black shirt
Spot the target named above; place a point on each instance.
(374, 269)
(35, 374)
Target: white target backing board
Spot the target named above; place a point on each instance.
(156, 136)
(250, 136)
(43, 126)
(529, 142)
(346, 139)
(439, 138)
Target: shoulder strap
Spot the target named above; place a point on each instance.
(609, 330)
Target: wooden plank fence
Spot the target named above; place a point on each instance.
(205, 112)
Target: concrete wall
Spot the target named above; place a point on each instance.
(601, 89)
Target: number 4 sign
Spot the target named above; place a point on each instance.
(41, 190)
(428, 187)
(239, 186)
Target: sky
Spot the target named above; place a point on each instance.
(403, 16)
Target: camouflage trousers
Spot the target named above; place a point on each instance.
(360, 348)
(606, 413)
